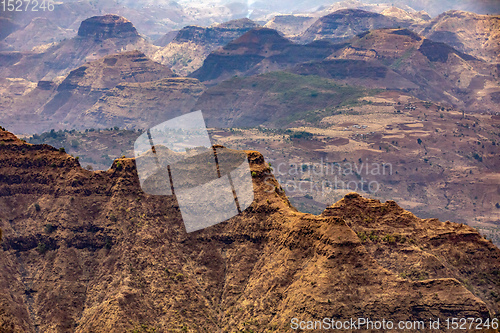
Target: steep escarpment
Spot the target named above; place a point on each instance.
(134, 82)
(89, 251)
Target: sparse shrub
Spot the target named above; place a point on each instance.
(179, 277)
(112, 217)
(37, 207)
(373, 237)
(41, 248)
(362, 236)
(49, 228)
(62, 150)
(389, 239)
(254, 174)
(119, 165)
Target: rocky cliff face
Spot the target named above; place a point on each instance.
(107, 26)
(90, 252)
(53, 105)
(290, 25)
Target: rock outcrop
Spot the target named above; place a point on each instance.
(107, 26)
(186, 52)
(62, 105)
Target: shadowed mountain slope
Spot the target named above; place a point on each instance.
(258, 51)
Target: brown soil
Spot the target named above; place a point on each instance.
(90, 252)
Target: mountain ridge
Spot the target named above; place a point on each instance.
(132, 264)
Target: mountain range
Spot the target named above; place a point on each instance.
(402, 97)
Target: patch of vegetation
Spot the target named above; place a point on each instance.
(365, 236)
(300, 134)
(49, 228)
(397, 63)
(414, 274)
(309, 97)
(42, 248)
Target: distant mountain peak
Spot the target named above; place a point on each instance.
(346, 23)
(261, 36)
(352, 11)
(239, 23)
(107, 26)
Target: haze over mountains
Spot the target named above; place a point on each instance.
(53, 87)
